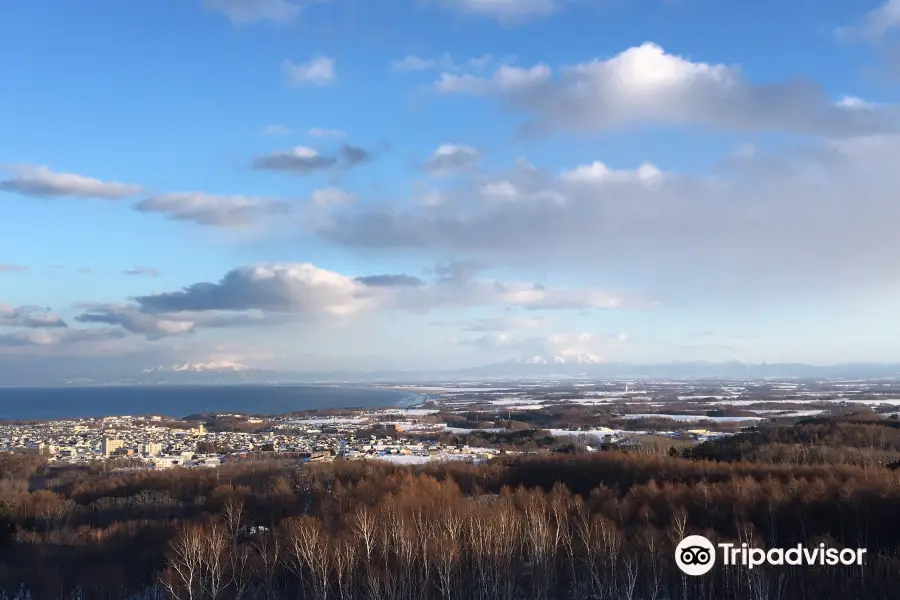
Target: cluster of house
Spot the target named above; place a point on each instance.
(155, 443)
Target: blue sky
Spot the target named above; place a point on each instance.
(421, 183)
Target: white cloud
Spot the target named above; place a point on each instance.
(817, 217)
(57, 337)
(41, 182)
(499, 190)
(644, 84)
(331, 195)
(413, 63)
(277, 130)
(876, 23)
(211, 209)
(248, 11)
(446, 62)
(505, 11)
(554, 348)
(597, 173)
(300, 160)
(293, 287)
(141, 271)
(272, 293)
(318, 72)
(452, 158)
(133, 320)
(855, 102)
(324, 133)
(29, 316)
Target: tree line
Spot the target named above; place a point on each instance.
(581, 525)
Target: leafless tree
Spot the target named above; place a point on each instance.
(214, 560)
(234, 516)
(308, 553)
(183, 579)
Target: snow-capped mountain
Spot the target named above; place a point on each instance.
(221, 366)
(578, 359)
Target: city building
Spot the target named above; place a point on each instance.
(109, 445)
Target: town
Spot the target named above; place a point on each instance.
(455, 422)
(159, 442)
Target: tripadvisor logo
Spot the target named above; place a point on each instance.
(696, 555)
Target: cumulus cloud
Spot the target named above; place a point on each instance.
(141, 271)
(156, 325)
(41, 182)
(318, 72)
(817, 215)
(304, 289)
(213, 210)
(133, 320)
(33, 317)
(300, 287)
(645, 84)
(452, 158)
(248, 11)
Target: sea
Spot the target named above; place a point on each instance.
(34, 403)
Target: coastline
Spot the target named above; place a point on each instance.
(71, 402)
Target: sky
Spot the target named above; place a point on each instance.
(418, 184)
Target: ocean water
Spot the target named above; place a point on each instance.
(180, 401)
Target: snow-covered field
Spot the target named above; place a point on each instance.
(409, 412)
(599, 431)
(325, 421)
(690, 418)
(463, 430)
(412, 459)
(789, 413)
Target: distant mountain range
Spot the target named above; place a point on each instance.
(535, 368)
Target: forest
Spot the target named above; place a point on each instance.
(572, 525)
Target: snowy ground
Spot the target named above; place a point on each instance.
(690, 418)
(789, 413)
(325, 421)
(412, 459)
(599, 431)
(463, 430)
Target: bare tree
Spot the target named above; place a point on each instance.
(183, 579)
(214, 560)
(308, 554)
(234, 516)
